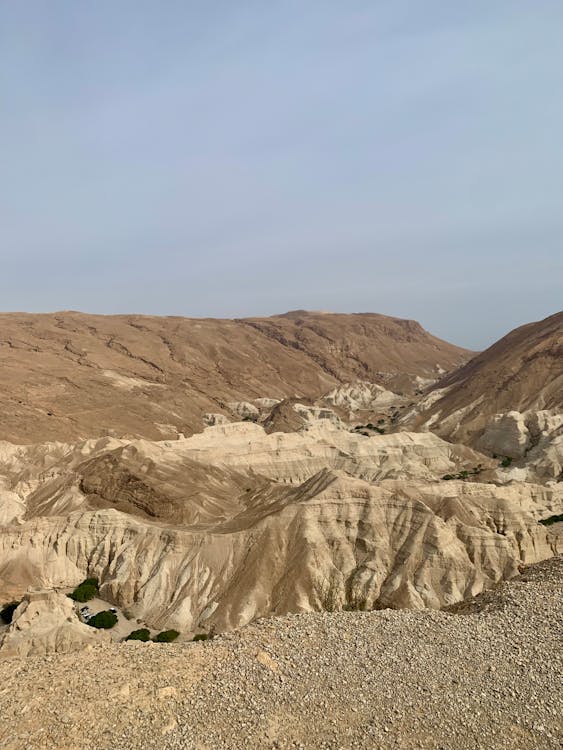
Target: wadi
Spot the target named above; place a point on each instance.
(182, 496)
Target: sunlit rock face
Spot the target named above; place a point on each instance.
(44, 623)
(234, 523)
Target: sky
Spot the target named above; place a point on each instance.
(235, 158)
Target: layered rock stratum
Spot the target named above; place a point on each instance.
(234, 523)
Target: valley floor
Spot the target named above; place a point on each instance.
(487, 675)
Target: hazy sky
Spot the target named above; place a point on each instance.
(246, 158)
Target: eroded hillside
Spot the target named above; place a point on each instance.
(70, 376)
(326, 500)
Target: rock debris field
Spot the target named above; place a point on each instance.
(485, 675)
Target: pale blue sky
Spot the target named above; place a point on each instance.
(247, 158)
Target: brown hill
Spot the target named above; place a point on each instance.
(523, 371)
(69, 375)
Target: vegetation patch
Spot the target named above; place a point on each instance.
(103, 620)
(551, 520)
(361, 428)
(143, 634)
(201, 637)
(506, 461)
(7, 612)
(465, 474)
(85, 591)
(167, 636)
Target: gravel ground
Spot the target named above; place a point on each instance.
(485, 676)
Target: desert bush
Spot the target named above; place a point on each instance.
(167, 636)
(551, 520)
(85, 591)
(506, 461)
(463, 474)
(7, 612)
(104, 620)
(200, 637)
(143, 634)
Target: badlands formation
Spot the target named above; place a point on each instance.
(211, 474)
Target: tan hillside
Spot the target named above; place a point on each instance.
(234, 523)
(522, 372)
(69, 376)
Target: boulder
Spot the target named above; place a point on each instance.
(46, 622)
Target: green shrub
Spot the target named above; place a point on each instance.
(464, 474)
(361, 429)
(143, 634)
(551, 520)
(200, 637)
(104, 620)
(85, 591)
(506, 461)
(167, 636)
(7, 613)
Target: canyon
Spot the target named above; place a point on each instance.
(304, 463)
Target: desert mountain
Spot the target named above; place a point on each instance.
(70, 376)
(523, 372)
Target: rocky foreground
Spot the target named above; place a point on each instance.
(485, 675)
